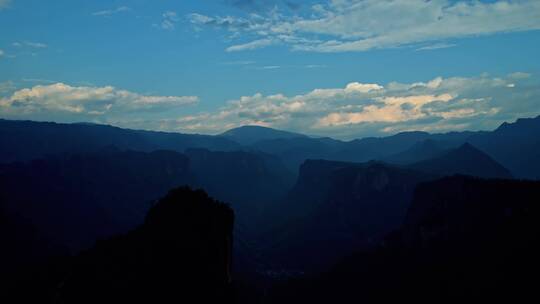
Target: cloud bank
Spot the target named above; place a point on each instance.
(367, 109)
(65, 102)
(110, 12)
(354, 110)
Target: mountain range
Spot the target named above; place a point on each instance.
(303, 205)
(515, 145)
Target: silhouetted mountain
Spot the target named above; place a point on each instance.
(465, 240)
(465, 160)
(77, 199)
(294, 151)
(422, 150)
(336, 208)
(515, 145)
(248, 135)
(27, 140)
(182, 253)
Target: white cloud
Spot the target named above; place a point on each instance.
(361, 25)
(36, 45)
(169, 20)
(30, 48)
(4, 4)
(110, 12)
(270, 67)
(239, 62)
(362, 87)
(87, 102)
(436, 46)
(1, 53)
(390, 109)
(229, 23)
(253, 45)
(519, 75)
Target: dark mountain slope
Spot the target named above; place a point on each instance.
(465, 240)
(465, 160)
(248, 135)
(23, 246)
(182, 253)
(77, 199)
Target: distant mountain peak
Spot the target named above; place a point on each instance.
(466, 159)
(246, 127)
(470, 151)
(504, 125)
(247, 135)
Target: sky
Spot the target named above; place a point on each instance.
(340, 68)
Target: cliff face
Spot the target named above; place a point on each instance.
(181, 252)
(337, 208)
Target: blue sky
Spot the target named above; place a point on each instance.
(341, 68)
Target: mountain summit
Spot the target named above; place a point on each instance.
(247, 135)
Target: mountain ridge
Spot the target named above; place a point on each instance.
(516, 146)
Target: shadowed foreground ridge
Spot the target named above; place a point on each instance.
(181, 252)
(464, 240)
(74, 200)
